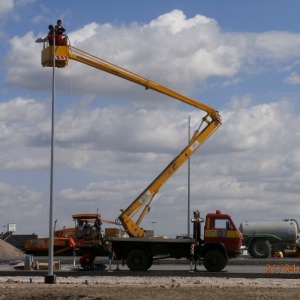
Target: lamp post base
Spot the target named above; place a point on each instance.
(50, 279)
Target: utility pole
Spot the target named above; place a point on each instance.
(189, 200)
(51, 278)
(153, 223)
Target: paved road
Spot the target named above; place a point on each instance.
(240, 267)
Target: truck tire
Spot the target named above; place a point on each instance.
(260, 248)
(138, 260)
(214, 261)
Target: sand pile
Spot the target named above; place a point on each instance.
(7, 249)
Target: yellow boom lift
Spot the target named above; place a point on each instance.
(211, 122)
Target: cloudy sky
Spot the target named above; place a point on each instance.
(112, 138)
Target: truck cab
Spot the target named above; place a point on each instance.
(220, 228)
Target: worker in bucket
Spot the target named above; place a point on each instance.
(59, 30)
(50, 35)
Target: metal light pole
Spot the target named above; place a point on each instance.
(153, 223)
(51, 278)
(189, 201)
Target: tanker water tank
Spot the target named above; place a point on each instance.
(286, 231)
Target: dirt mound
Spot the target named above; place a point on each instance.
(7, 249)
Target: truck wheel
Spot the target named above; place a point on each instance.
(138, 260)
(214, 261)
(260, 248)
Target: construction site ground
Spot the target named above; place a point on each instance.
(146, 288)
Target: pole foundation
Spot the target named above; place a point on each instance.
(50, 279)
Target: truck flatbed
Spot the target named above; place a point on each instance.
(151, 240)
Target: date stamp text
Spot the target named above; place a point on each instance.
(282, 269)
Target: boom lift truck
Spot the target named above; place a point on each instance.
(222, 239)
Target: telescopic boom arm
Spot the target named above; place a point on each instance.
(211, 121)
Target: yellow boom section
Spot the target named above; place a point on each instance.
(105, 66)
(211, 122)
(144, 199)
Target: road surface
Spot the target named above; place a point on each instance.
(240, 267)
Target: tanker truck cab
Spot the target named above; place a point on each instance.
(221, 231)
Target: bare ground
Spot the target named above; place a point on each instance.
(170, 290)
(136, 288)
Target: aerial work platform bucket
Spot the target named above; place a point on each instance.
(61, 55)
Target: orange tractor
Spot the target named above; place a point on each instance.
(87, 231)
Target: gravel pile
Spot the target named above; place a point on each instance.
(7, 250)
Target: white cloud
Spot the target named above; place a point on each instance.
(256, 127)
(21, 119)
(23, 3)
(293, 78)
(187, 52)
(21, 110)
(121, 150)
(175, 22)
(240, 102)
(6, 6)
(233, 81)
(21, 204)
(278, 45)
(244, 163)
(86, 33)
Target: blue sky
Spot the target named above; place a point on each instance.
(113, 138)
